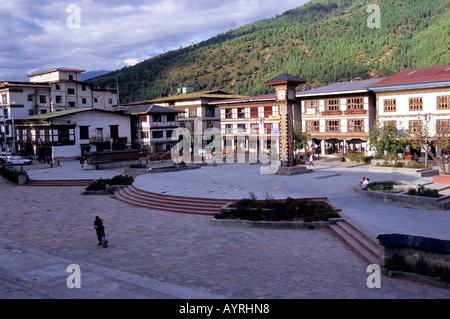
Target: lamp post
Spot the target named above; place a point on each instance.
(427, 120)
(4, 131)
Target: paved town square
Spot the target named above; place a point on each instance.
(163, 255)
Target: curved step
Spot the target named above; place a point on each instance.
(177, 204)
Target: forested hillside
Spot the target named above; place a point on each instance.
(323, 41)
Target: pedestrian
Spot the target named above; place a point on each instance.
(100, 229)
(365, 184)
(311, 160)
(415, 157)
(363, 179)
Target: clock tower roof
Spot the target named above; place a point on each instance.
(285, 79)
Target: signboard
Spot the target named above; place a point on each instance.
(275, 132)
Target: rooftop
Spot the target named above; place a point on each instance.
(149, 109)
(215, 94)
(432, 76)
(57, 69)
(51, 115)
(339, 88)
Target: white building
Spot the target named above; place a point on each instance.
(50, 91)
(414, 99)
(68, 134)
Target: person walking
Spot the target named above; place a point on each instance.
(100, 229)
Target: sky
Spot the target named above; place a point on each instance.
(111, 34)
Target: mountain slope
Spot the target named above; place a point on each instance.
(323, 41)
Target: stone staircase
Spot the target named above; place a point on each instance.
(177, 204)
(365, 245)
(55, 183)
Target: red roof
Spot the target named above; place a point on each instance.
(435, 74)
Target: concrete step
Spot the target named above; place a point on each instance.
(362, 244)
(56, 183)
(177, 204)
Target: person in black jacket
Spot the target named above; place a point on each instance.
(100, 229)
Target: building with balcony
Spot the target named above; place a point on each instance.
(416, 100)
(200, 112)
(47, 92)
(339, 116)
(249, 123)
(152, 127)
(69, 134)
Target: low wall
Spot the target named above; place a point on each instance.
(434, 252)
(441, 179)
(424, 172)
(442, 203)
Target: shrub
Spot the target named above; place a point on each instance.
(100, 184)
(11, 174)
(275, 210)
(137, 166)
(434, 193)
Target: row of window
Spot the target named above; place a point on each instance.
(254, 112)
(254, 128)
(354, 103)
(58, 100)
(357, 126)
(416, 104)
(334, 126)
(157, 118)
(63, 134)
(155, 134)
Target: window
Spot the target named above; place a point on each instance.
(70, 77)
(83, 100)
(95, 100)
(268, 127)
(311, 107)
(30, 98)
(415, 126)
(228, 128)
(157, 118)
(210, 112)
(193, 113)
(228, 114)
(241, 113)
(442, 127)
(65, 136)
(268, 111)
(157, 134)
(58, 87)
(242, 128)
(355, 103)
(43, 111)
(416, 104)
(332, 105)
(99, 134)
(171, 118)
(58, 99)
(114, 131)
(71, 91)
(254, 112)
(71, 104)
(443, 102)
(83, 87)
(390, 105)
(355, 126)
(312, 126)
(144, 134)
(4, 99)
(84, 132)
(254, 128)
(333, 126)
(42, 99)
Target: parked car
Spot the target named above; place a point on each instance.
(3, 156)
(19, 160)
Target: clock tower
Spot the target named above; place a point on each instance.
(285, 86)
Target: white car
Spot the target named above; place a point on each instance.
(18, 160)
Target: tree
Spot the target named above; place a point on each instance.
(388, 140)
(300, 138)
(421, 139)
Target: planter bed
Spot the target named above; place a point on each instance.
(400, 197)
(274, 224)
(173, 168)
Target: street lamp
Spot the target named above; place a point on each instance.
(427, 120)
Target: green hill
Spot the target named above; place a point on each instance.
(323, 41)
